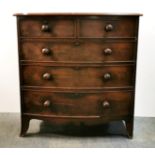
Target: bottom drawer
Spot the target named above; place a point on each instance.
(114, 103)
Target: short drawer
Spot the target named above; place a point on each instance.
(87, 51)
(78, 76)
(108, 104)
(122, 27)
(46, 27)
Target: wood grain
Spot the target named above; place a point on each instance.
(74, 104)
(86, 51)
(64, 62)
(77, 76)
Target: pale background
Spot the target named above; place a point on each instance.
(9, 80)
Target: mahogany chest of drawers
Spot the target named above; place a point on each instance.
(77, 68)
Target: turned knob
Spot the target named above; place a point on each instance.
(45, 28)
(107, 51)
(47, 103)
(46, 76)
(105, 104)
(109, 27)
(107, 76)
(46, 51)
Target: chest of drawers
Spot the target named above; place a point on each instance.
(77, 68)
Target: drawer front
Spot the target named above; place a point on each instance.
(124, 27)
(107, 76)
(77, 51)
(47, 27)
(106, 104)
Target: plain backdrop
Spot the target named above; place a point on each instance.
(9, 80)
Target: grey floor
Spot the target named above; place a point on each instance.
(43, 135)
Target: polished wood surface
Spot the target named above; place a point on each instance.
(108, 27)
(77, 68)
(77, 76)
(87, 26)
(69, 51)
(74, 104)
(54, 27)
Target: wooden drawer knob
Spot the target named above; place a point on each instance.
(47, 103)
(109, 27)
(105, 104)
(46, 76)
(108, 51)
(46, 51)
(45, 28)
(107, 76)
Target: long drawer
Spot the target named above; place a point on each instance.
(77, 76)
(115, 103)
(77, 51)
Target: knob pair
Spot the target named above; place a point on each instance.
(46, 28)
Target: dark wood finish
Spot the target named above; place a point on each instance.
(74, 104)
(107, 76)
(24, 125)
(77, 68)
(86, 51)
(50, 27)
(129, 127)
(108, 27)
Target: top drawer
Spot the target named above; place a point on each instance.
(47, 27)
(80, 27)
(107, 27)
